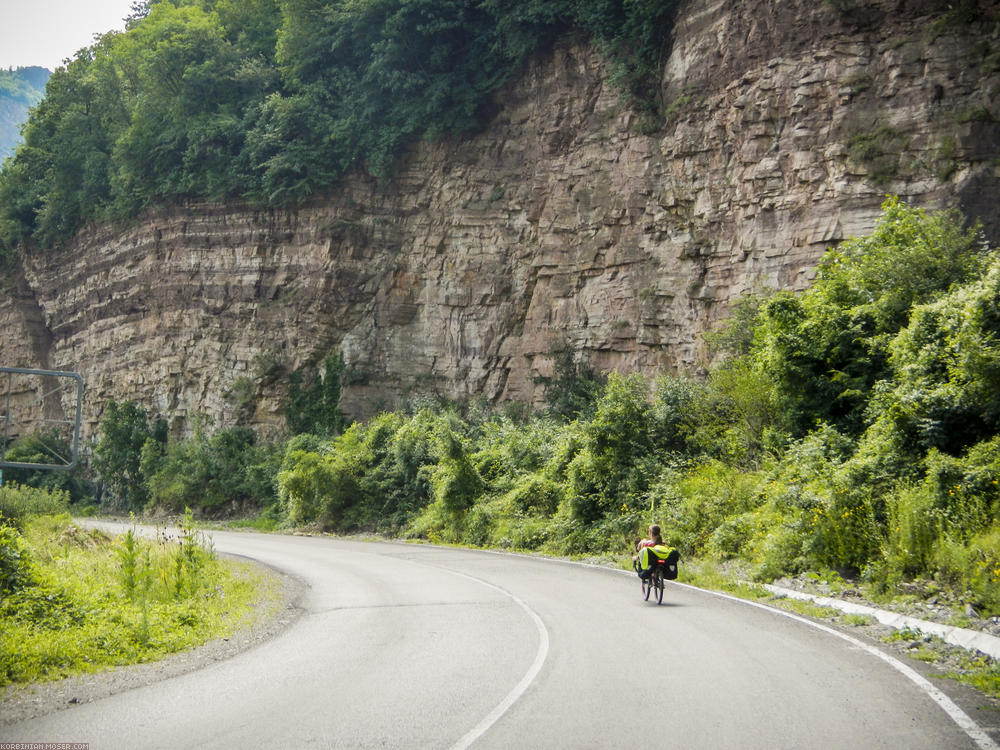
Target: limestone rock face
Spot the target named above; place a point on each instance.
(570, 220)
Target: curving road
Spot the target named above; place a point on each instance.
(411, 646)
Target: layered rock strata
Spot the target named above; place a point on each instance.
(570, 221)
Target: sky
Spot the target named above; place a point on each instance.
(44, 32)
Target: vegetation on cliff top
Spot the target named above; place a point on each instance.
(272, 101)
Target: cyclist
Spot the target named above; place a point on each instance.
(655, 539)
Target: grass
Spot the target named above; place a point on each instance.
(17, 504)
(95, 601)
(922, 653)
(807, 608)
(707, 574)
(260, 522)
(858, 621)
(980, 672)
(903, 634)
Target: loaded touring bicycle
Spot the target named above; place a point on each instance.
(654, 565)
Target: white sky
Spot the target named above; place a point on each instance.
(44, 32)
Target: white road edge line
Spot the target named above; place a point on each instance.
(521, 687)
(962, 719)
(965, 722)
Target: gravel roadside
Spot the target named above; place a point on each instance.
(937, 658)
(22, 702)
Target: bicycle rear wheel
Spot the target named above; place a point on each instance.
(657, 584)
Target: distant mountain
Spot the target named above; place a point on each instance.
(20, 89)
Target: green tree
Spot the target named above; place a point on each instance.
(944, 392)
(224, 472)
(60, 174)
(573, 388)
(612, 466)
(325, 487)
(123, 430)
(275, 100)
(826, 348)
(314, 407)
(184, 130)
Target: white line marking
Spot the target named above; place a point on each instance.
(521, 687)
(964, 721)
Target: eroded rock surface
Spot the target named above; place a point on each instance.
(569, 220)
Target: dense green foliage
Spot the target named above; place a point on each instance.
(73, 599)
(45, 447)
(826, 349)
(227, 472)
(314, 407)
(139, 465)
(856, 431)
(124, 431)
(19, 504)
(274, 100)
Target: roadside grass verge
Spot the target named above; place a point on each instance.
(980, 672)
(80, 600)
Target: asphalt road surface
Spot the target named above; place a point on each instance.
(414, 646)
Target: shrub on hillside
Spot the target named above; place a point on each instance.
(15, 562)
(17, 504)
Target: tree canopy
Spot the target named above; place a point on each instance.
(272, 101)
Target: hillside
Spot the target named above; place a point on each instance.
(20, 88)
(566, 221)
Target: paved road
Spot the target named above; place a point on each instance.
(409, 646)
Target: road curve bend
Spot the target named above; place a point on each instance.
(415, 646)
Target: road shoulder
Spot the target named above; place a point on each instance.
(22, 702)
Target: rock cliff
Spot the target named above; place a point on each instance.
(569, 221)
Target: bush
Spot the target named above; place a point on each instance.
(780, 552)
(46, 447)
(972, 569)
(94, 603)
(455, 481)
(18, 504)
(15, 562)
(535, 493)
(223, 473)
(845, 534)
(303, 487)
(826, 349)
(914, 529)
(701, 500)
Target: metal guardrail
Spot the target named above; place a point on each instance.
(8, 418)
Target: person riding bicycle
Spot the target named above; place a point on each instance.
(647, 549)
(654, 539)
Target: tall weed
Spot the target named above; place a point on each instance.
(92, 602)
